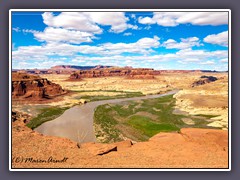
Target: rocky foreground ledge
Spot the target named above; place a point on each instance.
(190, 148)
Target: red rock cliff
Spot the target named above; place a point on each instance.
(25, 86)
(128, 72)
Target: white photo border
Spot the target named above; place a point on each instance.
(120, 169)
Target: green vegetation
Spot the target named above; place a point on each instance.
(125, 112)
(102, 91)
(102, 116)
(140, 120)
(149, 127)
(125, 94)
(47, 114)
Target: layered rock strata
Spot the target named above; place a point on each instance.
(25, 86)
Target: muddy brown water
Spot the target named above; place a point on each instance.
(76, 123)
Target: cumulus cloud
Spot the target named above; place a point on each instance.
(134, 27)
(202, 58)
(78, 27)
(219, 39)
(146, 20)
(201, 54)
(142, 46)
(117, 20)
(71, 20)
(88, 21)
(195, 18)
(66, 31)
(111, 54)
(185, 43)
(51, 34)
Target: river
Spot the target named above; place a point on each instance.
(77, 122)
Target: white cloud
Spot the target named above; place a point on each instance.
(71, 20)
(201, 57)
(142, 46)
(29, 31)
(185, 43)
(34, 56)
(118, 28)
(122, 59)
(51, 34)
(219, 39)
(188, 56)
(13, 46)
(195, 18)
(133, 16)
(16, 29)
(65, 31)
(146, 20)
(164, 19)
(201, 54)
(207, 63)
(117, 20)
(225, 60)
(127, 34)
(88, 21)
(204, 18)
(47, 63)
(134, 27)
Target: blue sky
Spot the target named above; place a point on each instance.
(159, 40)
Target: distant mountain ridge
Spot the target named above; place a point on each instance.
(60, 69)
(69, 69)
(72, 67)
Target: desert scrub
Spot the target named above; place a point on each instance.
(105, 120)
(125, 94)
(47, 114)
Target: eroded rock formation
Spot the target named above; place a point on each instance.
(128, 72)
(19, 116)
(25, 86)
(204, 80)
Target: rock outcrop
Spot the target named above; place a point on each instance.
(33, 87)
(128, 72)
(98, 148)
(204, 80)
(19, 116)
(190, 148)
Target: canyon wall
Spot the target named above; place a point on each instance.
(25, 86)
(135, 73)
